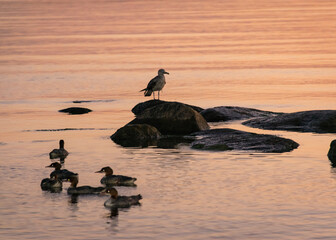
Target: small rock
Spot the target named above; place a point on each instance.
(136, 135)
(332, 153)
(76, 110)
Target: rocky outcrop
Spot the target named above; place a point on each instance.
(140, 107)
(318, 121)
(76, 110)
(229, 139)
(227, 113)
(172, 118)
(181, 124)
(332, 153)
(136, 135)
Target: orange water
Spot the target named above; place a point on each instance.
(271, 55)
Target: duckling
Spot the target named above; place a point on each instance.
(120, 201)
(62, 174)
(59, 153)
(73, 189)
(116, 180)
(51, 184)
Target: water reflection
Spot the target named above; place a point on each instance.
(113, 220)
(114, 212)
(73, 199)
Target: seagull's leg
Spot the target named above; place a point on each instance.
(159, 95)
(153, 95)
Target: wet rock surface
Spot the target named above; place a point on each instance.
(172, 118)
(76, 110)
(140, 107)
(230, 139)
(318, 121)
(227, 113)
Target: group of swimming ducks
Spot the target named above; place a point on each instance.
(58, 176)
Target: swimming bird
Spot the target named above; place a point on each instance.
(62, 174)
(59, 153)
(73, 189)
(156, 84)
(51, 184)
(116, 180)
(117, 201)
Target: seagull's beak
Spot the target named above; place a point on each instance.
(166, 73)
(48, 166)
(100, 171)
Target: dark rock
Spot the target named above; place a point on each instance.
(136, 135)
(217, 114)
(332, 153)
(172, 118)
(229, 139)
(172, 142)
(76, 110)
(319, 121)
(140, 107)
(78, 101)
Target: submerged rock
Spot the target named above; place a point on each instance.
(227, 113)
(173, 141)
(76, 110)
(136, 135)
(140, 107)
(318, 121)
(229, 139)
(172, 118)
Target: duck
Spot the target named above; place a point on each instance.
(73, 189)
(51, 184)
(115, 180)
(59, 153)
(116, 201)
(62, 174)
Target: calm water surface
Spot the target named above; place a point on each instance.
(271, 55)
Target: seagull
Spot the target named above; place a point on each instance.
(156, 84)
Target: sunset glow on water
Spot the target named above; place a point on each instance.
(270, 55)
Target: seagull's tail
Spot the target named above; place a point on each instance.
(147, 92)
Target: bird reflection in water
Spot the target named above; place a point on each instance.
(114, 212)
(73, 199)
